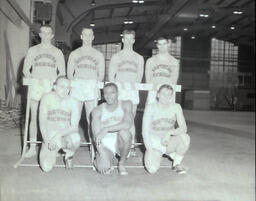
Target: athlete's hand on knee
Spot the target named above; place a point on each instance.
(165, 140)
(53, 143)
(101, 135)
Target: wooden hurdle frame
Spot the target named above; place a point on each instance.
(27, 82)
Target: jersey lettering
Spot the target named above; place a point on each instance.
(163, 124)
(58, 115)
(88, 58)
(133, 67)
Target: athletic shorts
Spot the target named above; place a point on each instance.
(39, 87)
(157, 145)
(109, 141)
(85, 90)
(128, 94)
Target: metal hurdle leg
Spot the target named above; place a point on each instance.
(26, 130)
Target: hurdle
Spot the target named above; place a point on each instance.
(100, 85)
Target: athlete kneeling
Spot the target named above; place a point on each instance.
(160, 135)
(111, 123)
(58, 120)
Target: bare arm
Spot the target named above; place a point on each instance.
(112, 69)
(96, 123)
(28, 63)
(140, 69)
(61, 64)
(182, 126)
(148, 73)
(127, 120)
(101, 68)
(146, 124)
(176, 72)
(71, 66)
(43, 110)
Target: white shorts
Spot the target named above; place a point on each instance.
(157, 145)
(85, 90)
(39, 87)
(128, 94)
(110, 142)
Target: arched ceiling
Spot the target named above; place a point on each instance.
(159, 17)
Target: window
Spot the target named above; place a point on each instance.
(108, 50)
(224, 61)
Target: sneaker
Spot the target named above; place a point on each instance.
(179, 169)
(30, 153)
(68, 163)
(132, 152)
(122, 170)
(108, 172)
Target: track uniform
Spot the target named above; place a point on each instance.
(60, 113)
(162, 122)
(45, 62)
(161, 71)
(109, 119)
(126, 66)
(86, 67)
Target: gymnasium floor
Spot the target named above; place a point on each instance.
(221, 164)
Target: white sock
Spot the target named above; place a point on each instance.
(173, 155)
(177, 160)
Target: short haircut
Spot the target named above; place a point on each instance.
(46, 26)
(84, 28)
(128, 32)
(62, 77)
(165, 86)
(110, 84)
(161, 38)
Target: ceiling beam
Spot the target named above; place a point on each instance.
(129, 11)
(69, 11)
(111, 13)
(60, 16)
(108, 6)
(10, 13)
(22, 15)
(108, 22)
(162, 20)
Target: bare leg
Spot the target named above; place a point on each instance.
(103, 159)
(89, 106)
(133, 131)
(176, 149)
(153, 160)
(32, 128)
(47, 158)
(70, 144)
(124, 145)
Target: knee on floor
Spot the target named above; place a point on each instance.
(152, 169)
(46, 167)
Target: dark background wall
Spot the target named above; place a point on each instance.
(195, 63)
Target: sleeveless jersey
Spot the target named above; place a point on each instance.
(111, 118)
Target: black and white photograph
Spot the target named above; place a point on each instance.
(127, 100)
